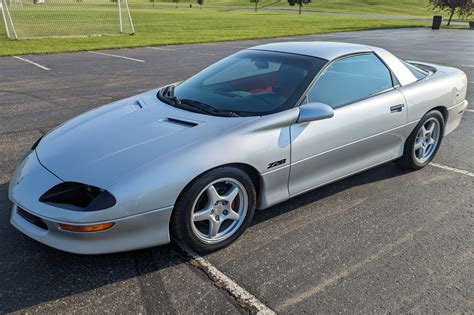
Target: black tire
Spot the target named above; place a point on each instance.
(409, 160)
(181, 224)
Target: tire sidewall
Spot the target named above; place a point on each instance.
(180, 225)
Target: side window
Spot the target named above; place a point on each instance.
(351, 79)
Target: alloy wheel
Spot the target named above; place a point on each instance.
(219, 210)
(427, 140)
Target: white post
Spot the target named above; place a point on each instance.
(4, 19)
(11, 21)
(130, 17)
(120, 16)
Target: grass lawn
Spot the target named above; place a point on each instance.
(408, 8)
(418, 8)
(162, 26)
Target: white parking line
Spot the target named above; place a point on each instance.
(238, 292)
(452, 169)
(472, 82)
(222, 44)
(31, 62)
(469, 66)
(203, 53)
(187, 51)
(470, 110)
(116, 56)
(161, 48)
(345, 272)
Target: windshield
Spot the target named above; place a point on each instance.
(250, 82)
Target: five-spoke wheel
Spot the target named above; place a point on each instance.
(219, 210)
(426, 140)
(423, 143)
(214, 209)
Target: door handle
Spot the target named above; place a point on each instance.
(396, 108)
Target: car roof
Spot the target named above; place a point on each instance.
(334, 50)
(324, 50)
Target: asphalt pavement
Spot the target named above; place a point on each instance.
(381, 241)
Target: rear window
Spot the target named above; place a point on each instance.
(417, 72)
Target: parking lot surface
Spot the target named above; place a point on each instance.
(385, 240)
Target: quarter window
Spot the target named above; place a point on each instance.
(417, 72)
(351, 79)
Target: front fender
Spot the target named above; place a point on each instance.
(257, 144)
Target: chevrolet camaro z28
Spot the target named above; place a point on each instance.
(194, 160)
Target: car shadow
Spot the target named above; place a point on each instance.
(385, 171)
(33, 273)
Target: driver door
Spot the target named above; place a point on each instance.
(366, 129)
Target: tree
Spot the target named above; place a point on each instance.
(300, 3)
(256, 4)
(200, 2)
(176, 1)
(462, 7)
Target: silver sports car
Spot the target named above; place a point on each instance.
(194, 160)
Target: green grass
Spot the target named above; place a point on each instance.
(408, 8)
(165, 26)
(411, 8)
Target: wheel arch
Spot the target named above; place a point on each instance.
(403, 159)
(251, 171)
(443, 110)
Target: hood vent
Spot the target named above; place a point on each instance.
(180, 122)
(137, 105)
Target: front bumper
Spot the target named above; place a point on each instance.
(30, 180)
(133, 232)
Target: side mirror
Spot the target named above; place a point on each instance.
(314, 111)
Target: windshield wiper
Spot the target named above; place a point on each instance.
(208, 108)
(167, 95)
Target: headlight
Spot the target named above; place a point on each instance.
(79, 197)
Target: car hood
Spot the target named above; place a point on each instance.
(103, 145)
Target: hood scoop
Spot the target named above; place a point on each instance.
(179, 122)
